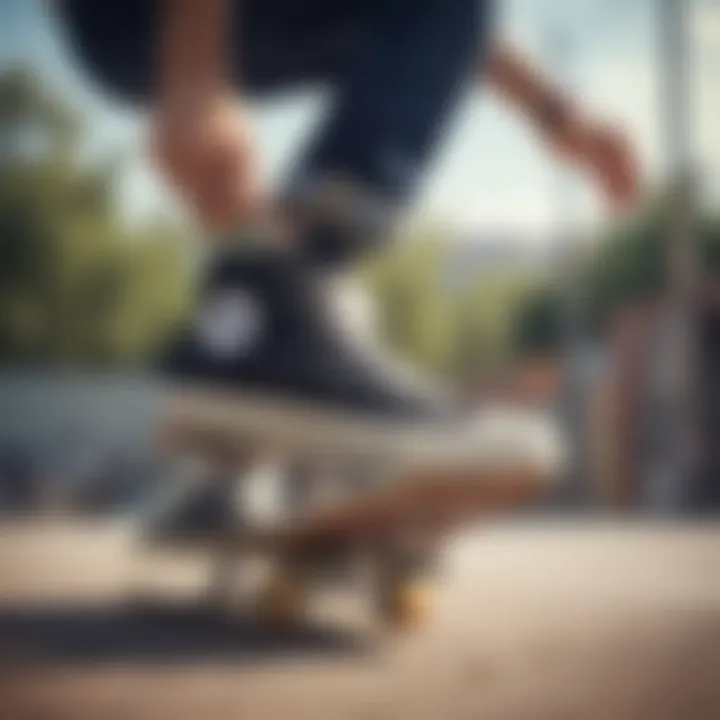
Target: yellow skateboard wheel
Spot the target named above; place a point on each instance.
(407, 605)
(283, 603)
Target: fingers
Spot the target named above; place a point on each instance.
(615, 163)
(606, 155)
(209, 159)
(225, 188)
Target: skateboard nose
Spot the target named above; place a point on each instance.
(519, 438)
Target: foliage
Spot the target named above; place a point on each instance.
(629, 264)
(537, 322)
(77, 285)
(454, 330)
(460, 332)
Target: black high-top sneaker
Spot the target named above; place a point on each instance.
(284, 352)
(281, 348)
(282, 357)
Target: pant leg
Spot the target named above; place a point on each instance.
(113, 43)
(276, 44)
(406, 79)
(398, 66)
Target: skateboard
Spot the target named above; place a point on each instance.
(341, 505)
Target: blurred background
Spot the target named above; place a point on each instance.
(509, 281)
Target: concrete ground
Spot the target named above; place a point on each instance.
(536, 620)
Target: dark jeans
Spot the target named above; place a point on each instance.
(397, 67)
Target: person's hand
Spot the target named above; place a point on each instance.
(206, 152)
(611, 159)
(606, 154)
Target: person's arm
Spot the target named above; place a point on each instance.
(202, 136)
(595, 146)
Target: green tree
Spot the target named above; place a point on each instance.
(629, 265)
(536, 327)
(77, 286)
(416, 314)
(483, 322)
(631, 261)
(450, 330)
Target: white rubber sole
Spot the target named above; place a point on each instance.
(498, 439)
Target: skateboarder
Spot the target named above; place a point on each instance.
(268, 326)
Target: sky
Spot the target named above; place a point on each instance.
(490, 173)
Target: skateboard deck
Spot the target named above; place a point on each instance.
(392, 498)
(441, 505)
(417, 483)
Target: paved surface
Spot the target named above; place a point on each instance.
(534, 621)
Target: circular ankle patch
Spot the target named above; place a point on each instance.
(230, 324)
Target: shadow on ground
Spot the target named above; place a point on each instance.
(95, 635)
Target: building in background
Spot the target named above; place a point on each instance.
(634, 468)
